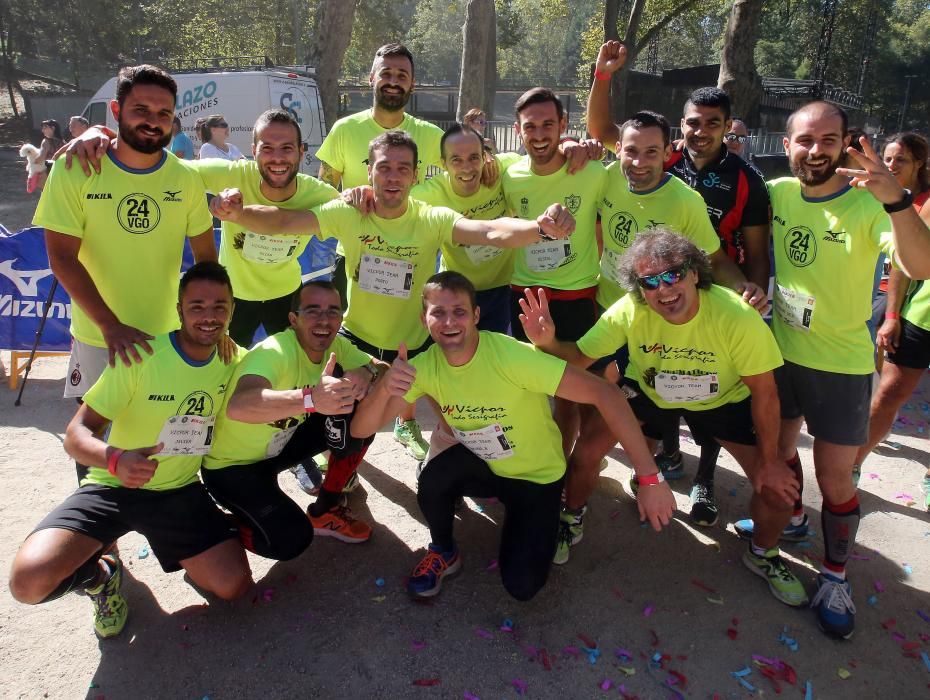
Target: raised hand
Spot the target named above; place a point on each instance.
(610, 57)
(536, 319)
(333, 396)
(400, 377)
(872, 174)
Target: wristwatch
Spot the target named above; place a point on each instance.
(906, 201)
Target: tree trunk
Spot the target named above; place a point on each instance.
(333, 34)
(478, 76)
(620, 83)
(738, 76)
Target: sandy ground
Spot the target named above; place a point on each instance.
(336, 622)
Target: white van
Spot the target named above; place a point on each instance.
(240, 96)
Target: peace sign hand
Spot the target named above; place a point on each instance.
(872, 174)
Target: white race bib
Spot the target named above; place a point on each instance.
(482, 253)
(610, 265)
(488, 442)
(386, 276)
(268, 249)
(547, 255)
(685, 388)
(187, 435)
(278, 441)
(793, 308)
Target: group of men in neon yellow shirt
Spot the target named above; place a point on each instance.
(186, 404)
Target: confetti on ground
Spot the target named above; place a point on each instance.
(889, 623)
(623, 654)
(715, 599)
(379, 582)
(605, 684)
(703, 586)
(507, 625)
(417, 645)
(468, 696)
(908, 570)
(732, 633)
(789, 642)
(426, 682)
(483, 633)
(859, 557)
(268, 595)
(143, 552)
(741, 677)
(923, 616)
(648, 610)
(926, 659)
(492, 566)
(879, 586)
(379, 598)
(627, 670)
(519, 685)
(808, 691)
(872, 600)
(843, 673)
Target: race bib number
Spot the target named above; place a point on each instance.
(488, 442)
(187, 435)
(385, 276)
(479, 254)
(685, 388)
(793, 308)
(547, 255)
(278, 441)
(610, 265)
(268, 249)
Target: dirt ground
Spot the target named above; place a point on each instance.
(336, 622)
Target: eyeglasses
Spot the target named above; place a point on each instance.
(735, 137)
(670, 277)
(316, 313)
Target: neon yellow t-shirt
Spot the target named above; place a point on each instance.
(624, 213)
(345, 147)
(695, 365)
(571, 264)
(132, 225)
(486, 266)
(498, 405)
(260, 267)
(165, 398)
(281, 360)
(916, 306)
(825, 255)
(387, 262)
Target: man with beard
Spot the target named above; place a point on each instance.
(737, 203)
(143, 478)
(828, 233)
(115, 239)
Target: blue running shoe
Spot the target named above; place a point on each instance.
(791, 533)
(836, 613)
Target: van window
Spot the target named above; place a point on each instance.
(96, 113)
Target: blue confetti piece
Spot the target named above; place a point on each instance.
(808, 691)
(742, 673)
(507, 624)
(143, 552)
(732, 492)
(872, 600)
(908, 570)
(379, 582)
(926, 659)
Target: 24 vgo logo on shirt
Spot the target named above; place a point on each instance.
(138, 213)
(800, 246)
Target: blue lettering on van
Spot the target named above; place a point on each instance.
(198, 93)
(288, 103)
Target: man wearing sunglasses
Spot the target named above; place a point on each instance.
(737, 202)
(696, 352)
(292, 397)
(737, 137)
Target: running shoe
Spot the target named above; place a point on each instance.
(426, 579)
(571, 530)
(784, 585)
(340, 524)
(407, 433)
(110, 609)
(836, 613)
(791, 533)
(703, 506)
(672, 465)
(308, 478)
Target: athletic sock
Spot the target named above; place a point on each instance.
(840, 521)
(326, 501)
(757, 550)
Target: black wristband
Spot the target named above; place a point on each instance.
(906, 201)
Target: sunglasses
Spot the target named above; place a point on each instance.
(670, 277)
(735, 137)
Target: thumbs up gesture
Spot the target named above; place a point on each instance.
(333, 396)
(134, 468)
(401, 375)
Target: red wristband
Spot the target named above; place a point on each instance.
(113, 458)
(651, 479)
(107, 131)
(308, 401)
(892, 315)
(601, 75)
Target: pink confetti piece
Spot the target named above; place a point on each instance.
(873, 475)
(468, 696)
(859, 557)
(519, 685)
(904, 497)
(417, 645)
(898, 637)
(268, 595)
(623, 654)
(483, 633)
(492, 566)
(606, 684)
(572, 651)
(648, 610)
(879, 586)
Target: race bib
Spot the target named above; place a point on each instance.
(278, 441)
(488, 442)
(685, 388)
(187, 435)
(482, 253)
(385, 276)
(547, 255)
(793, 308)
(610, 265)
(268, 249)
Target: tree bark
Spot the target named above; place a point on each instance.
(738, 76)
(478, 76)
(333, 34)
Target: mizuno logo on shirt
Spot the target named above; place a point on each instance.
(172, 196)
(161, 397)
(835, 236)
(99, 195)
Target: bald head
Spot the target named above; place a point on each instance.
(816, 111)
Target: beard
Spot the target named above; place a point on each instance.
(390, 102)
(142, 143)
(813, 179)
(269, 178)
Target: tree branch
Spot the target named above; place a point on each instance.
(660, 25)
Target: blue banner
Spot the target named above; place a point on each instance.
(26, 279)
